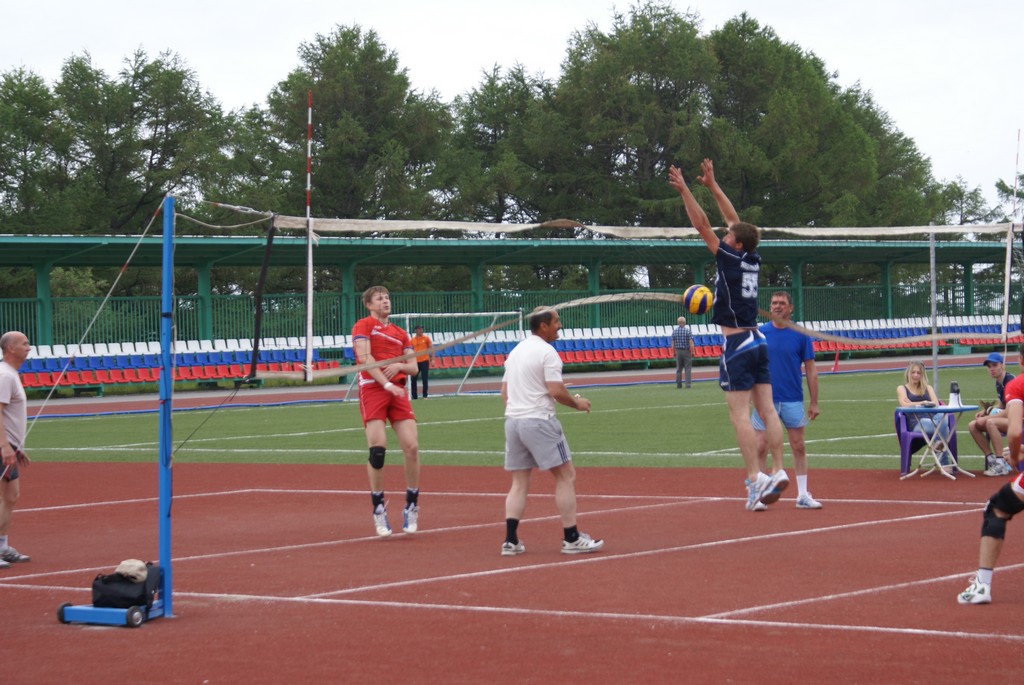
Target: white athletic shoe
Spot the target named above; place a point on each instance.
(510, 549)
(805, 501)
(976, 593)
(410, 519)
(779, 482)
(998, 467)
(583, 545)
(380, 522)
(759, 506)
(756, 490)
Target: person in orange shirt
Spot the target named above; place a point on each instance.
(421, 343)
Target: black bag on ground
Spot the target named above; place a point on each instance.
(117, 591)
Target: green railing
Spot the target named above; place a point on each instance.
(20, 315)
(137, 319)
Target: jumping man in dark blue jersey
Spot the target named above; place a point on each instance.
(743, 370)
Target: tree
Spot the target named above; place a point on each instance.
(966, 206)
(487, 166)
(376, 141)
(1011, 196)
(30, 132)
(793, 156)
(626, 102)
(136, 139)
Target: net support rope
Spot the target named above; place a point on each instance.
(96, 316)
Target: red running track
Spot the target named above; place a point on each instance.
(278, 578)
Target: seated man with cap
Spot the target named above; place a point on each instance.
(990, 424)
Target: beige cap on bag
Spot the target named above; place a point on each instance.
(132, 569)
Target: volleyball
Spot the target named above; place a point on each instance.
(697, 299)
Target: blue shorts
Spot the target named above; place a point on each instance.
(791, 414)
(744, 362)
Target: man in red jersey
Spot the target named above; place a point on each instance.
(382, 398)
(1006, 503)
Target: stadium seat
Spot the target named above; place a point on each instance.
(186, 373)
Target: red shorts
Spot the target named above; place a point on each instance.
(377, 404)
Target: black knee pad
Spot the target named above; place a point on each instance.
(377, 457)
(992, 526)
(1006, 501)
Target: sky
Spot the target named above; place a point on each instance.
(948, 73)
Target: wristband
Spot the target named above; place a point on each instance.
(388, 385)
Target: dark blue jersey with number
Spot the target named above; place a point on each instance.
(736, 287)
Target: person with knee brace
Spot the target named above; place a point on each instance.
(382, 398)
(1006, 503)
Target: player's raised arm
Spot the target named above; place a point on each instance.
(693, 210)
(707, 179)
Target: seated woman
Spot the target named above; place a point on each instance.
(916, 392)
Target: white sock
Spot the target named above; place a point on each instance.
(801, 485)
(985, 576)
(3, 542)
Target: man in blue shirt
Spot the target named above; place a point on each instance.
(743, 370)
(788, 350)
(990, 424)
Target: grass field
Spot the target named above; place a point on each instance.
(633, 425)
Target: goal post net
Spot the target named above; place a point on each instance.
(470, 354)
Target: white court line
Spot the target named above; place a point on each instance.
(580, 496)
(439, 531)
(557, 613)
(609, 557)
(346, 541)
(332, 491)
(847, 595)
(492, 454)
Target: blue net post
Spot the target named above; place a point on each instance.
(136, 616)
(166, 400)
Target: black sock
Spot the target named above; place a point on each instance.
(512, 531)
(571, 534)
(378, 500)
(412, 497)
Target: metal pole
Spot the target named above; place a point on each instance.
(309, 241)
(166, 400)
(935, 315)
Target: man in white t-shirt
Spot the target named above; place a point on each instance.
(533, 435)
(13, 425)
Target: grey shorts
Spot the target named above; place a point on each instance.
(535, 443)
